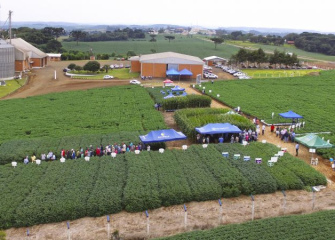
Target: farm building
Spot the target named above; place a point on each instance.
(212, 60)
(55, 57)
(157, 64)
(27, 56)
(7, 60)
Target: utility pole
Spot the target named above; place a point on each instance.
(10, 27)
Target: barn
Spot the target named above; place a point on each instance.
(158, 64)
(54, 57)
(213, 60)
(27, 56)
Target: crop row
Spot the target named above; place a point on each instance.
(95, 111)
(16, 150)
(261, 97)
(309, 226)
(57, 191)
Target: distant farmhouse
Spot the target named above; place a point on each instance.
(159, 64)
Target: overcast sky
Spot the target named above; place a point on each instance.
(293, 14)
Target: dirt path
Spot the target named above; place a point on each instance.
(170, 220)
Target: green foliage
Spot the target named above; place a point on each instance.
(188, 119)
(92, 66)
(57, 191)
(71, 66)
(2, 235)
(96, 111)
(189, 101)
(305, 226)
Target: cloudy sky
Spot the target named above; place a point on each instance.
(292, 14)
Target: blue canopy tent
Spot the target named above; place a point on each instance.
(184, 94)
(162, 136)
(169, 96)
(290, 114)
(177, 89)
(185, 72)
(217, 128)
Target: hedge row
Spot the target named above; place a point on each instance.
(189, 101)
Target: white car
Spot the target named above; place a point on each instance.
(108, 77)
(134, 82)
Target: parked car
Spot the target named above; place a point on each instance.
(108, 77)
(134, 81)
(127, 66)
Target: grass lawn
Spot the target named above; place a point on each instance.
(11, 86)
(286, 48)
(275, 73)
(181, 44)
(116, 73)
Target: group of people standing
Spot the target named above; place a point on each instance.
(89, 152)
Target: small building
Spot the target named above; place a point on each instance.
(27, 56)
(290, 42)
(213, 60)
(54, 57)
(157, 64)
(7, 61)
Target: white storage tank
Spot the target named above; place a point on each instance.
(7, 60)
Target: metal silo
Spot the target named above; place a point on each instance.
(7, 60)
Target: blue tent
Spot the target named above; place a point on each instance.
(216, 128)
(177, 89)
(184, 94)
(290, 114)
(172, 72)
(169, 96)
(185, 72)
(162, 136)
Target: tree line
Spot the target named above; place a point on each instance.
(257, 57)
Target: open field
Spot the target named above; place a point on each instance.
(309, 96)
(309, 56)
(116, 73)
(81, 112)
(182, 44)
(146, 181)
(278, 73)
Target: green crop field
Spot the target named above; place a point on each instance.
(123, 73)
(286, 48)
(309, 96)
(96, 111)
(55, 191)
(182, 44)
(310, 226)
(278, 73)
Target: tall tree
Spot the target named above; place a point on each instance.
(77, 34)
(217, 40)
(169, 37)
(153, 38)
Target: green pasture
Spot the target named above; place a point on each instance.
(123, 73)
(181, 44)
(11, 86)
(278, 73)
(309, 56)
(310, 96)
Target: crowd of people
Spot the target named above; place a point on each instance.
(90, 151)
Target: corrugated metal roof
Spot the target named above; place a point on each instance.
(213, 58)
(170, 58)
(27, 47)
(54, 54)
(134, 58)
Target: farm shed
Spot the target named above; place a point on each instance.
(55, 57)
(27, 56)
(156, 65)
(7, 60)
(212, 60)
